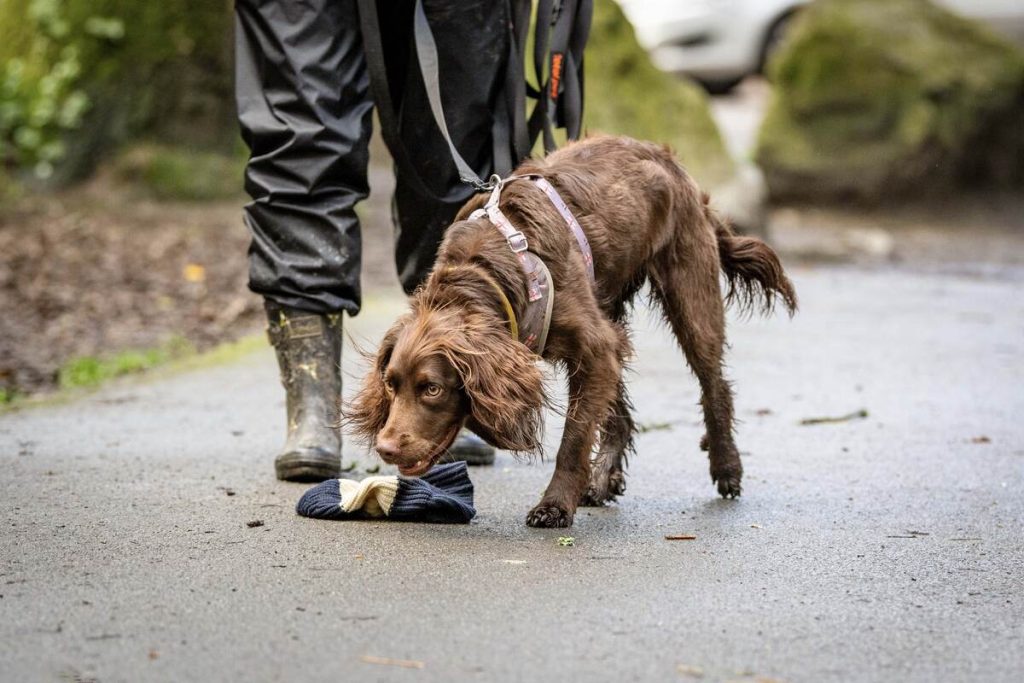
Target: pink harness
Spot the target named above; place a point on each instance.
(536, 319)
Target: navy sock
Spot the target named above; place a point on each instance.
(442, 495)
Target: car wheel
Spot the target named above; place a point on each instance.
(720, 86)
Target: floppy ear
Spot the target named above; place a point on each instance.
(505, 389)
(367, 413)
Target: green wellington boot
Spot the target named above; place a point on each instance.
(308, 350)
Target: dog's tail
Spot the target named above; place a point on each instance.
(752, 269)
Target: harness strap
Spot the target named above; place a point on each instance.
(542, 338)
(516, 239)
(536, 322)
(570, 220)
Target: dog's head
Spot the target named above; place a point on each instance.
(437, 370)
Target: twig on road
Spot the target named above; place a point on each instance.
(856, 415)
(387, 661)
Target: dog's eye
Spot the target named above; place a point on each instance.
(432, 390)
(389, 385)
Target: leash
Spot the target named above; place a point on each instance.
(561, 32)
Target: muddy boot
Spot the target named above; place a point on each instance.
(308, 350)
(470, 448)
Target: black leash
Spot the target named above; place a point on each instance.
(562, 28)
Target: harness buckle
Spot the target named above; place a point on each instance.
(517, 242)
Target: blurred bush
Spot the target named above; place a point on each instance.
(80, 77)
(170, 172)
(112, 69)
(626, 94)
(880, 98)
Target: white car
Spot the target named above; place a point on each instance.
(719, 42)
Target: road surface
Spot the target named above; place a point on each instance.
(882, 548)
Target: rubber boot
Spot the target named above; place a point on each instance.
(470, 448)
(308, 350)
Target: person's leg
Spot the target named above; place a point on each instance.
(304, 111)
(472, 45)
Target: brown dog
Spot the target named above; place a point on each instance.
(451, 359)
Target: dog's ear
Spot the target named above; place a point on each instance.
(505, 389)
(368, 411)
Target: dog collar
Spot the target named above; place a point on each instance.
(506, 305)
(536, 321)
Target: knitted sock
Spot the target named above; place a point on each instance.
(442, 495)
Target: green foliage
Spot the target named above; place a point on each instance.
(113, 68)
(40, 83)
(182, 173)
(90, 371)
(878, 97)
(626, 94)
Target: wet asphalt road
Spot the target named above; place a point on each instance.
(888, 548)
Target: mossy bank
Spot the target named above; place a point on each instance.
(879, 99)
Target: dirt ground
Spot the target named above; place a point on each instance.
(103, 268)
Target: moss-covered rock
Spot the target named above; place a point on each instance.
(626, 94)
(881, 98)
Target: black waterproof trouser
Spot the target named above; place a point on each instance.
(304, 107)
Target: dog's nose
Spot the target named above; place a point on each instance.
(387, 449)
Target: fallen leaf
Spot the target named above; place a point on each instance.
(755, 526)
(254, 523)
(387, 661)
(680, 537)
(193, 272)
(566, 541)
(153, 654)
(981, 439)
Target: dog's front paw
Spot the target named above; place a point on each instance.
(728, 480)
(549, 516)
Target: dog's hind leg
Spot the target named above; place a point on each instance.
(608, 467)
(685, 281)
